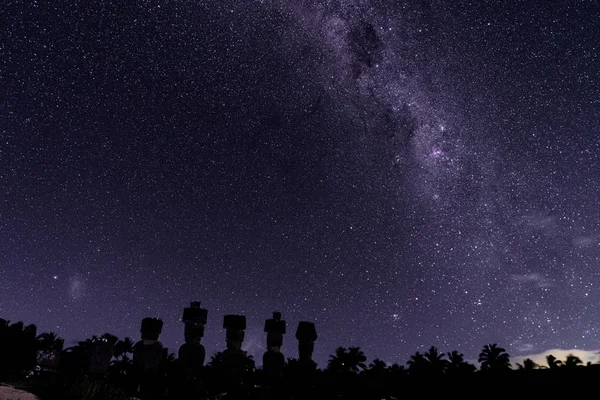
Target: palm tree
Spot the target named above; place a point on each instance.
(417, 363)
(494, 358)
(377, 370)
(109, 338)
(528, 365)
(88, 344)
(216, 360)
(572, 362)
(50, 342)
(552, 362)
(377, 366)
(123, 348)
(49, 346)
(457, 363)
(437, 364)
(337, 362)
(102, 351)
(357, 359)
(347, 361)
(396, 370)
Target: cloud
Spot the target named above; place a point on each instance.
(560, 354)
(535, 278)
(522, 347)
(545, 223)
(584, 241)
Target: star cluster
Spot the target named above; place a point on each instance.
(404, 175)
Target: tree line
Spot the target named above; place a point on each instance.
(41, 364)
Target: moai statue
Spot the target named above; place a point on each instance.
(192, 353)
(186, 372)
(148, 357)
(235, 360)
(273, 359)
(306, 335)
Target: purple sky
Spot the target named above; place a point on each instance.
(403, 176)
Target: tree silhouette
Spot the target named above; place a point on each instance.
(528, 365)
(88, 344)
(216, 360)
(109, 337)
(377, 370)
(572, 362)
(552, 362)
(347, 361)
(457, 363)
(396, 370)
(122, 365)
(375, 380)
(123, 348)
(437, 363)
(50, 342)
(377, 366)
(417, 364)
(494, 358)
(49, 346)
(18, 348)
(357, 359)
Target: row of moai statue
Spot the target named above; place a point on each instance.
(192, 353)
(149, 355)
(149, 352)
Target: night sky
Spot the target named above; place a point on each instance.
(404, 174)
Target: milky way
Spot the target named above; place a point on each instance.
(404, 175)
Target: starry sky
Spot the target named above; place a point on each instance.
(402, 173)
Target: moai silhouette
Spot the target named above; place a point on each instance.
(273, 359)
(306, 335)
(148, 357)
(235, 360)
(186, 381)
(301, 375)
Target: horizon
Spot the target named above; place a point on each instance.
(592, 356)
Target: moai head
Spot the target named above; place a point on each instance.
(194, 319)
(306, 335)
(151, 328)
(235, 325)
(148, 352)
(275, 328)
